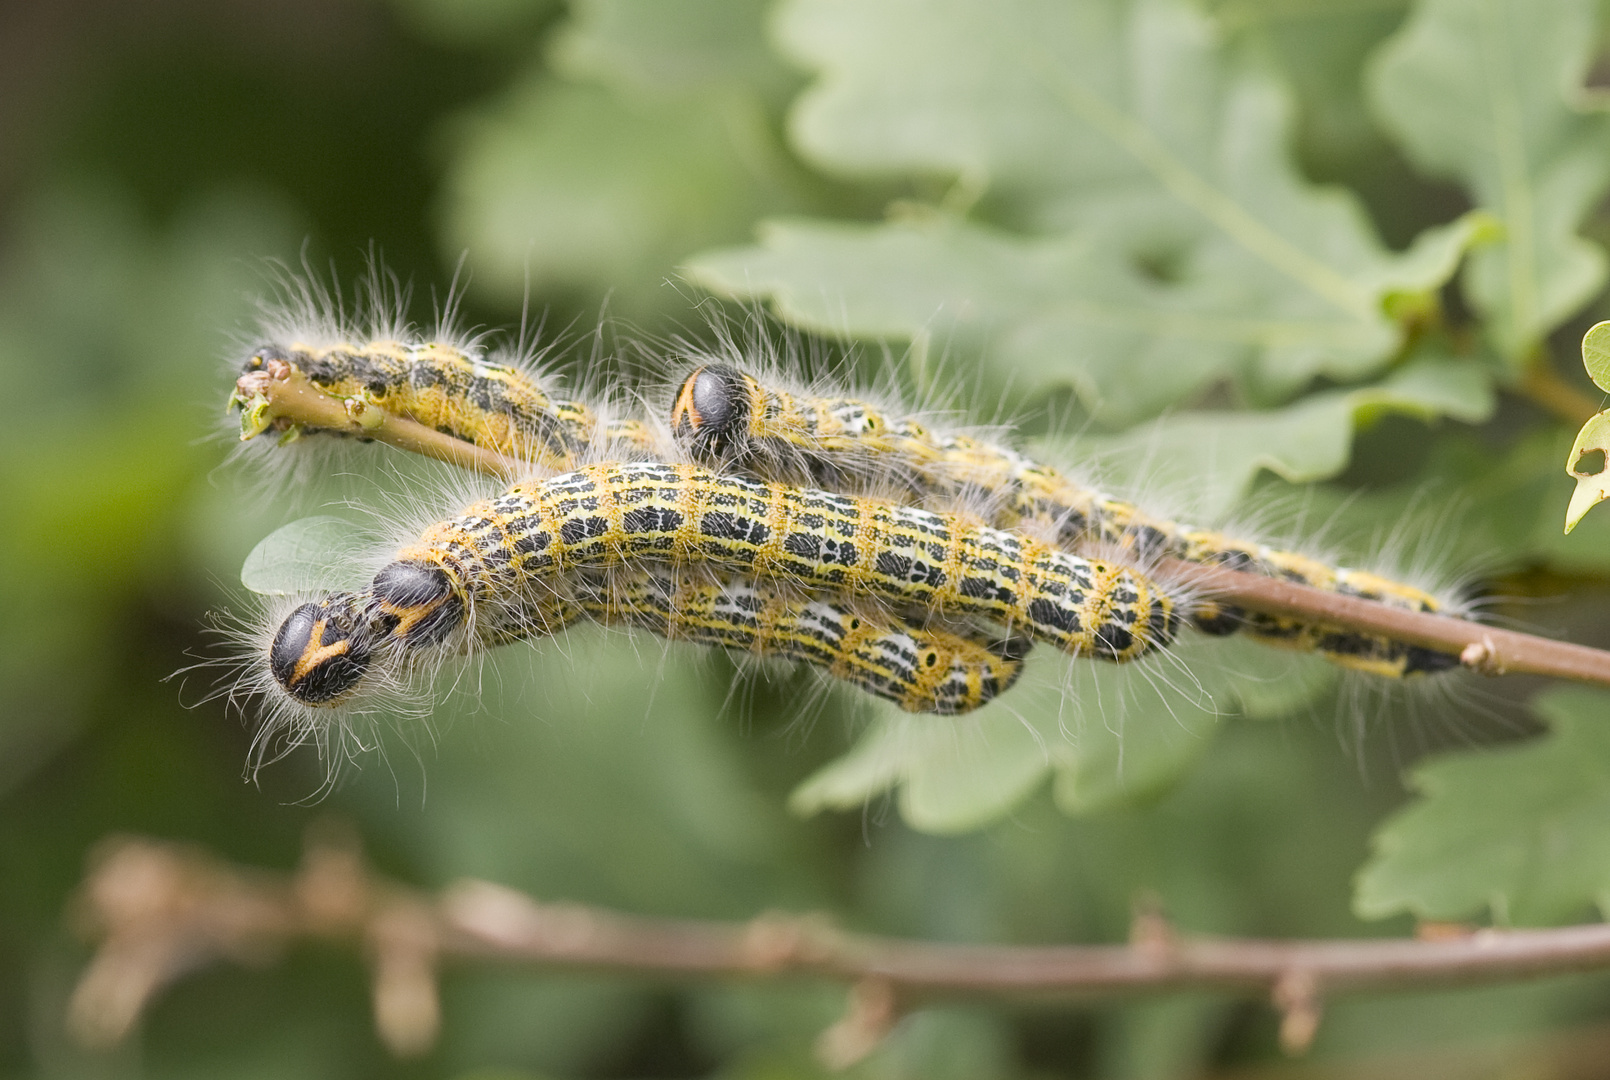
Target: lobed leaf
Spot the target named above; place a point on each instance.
(1516, 833)
(1105, 736)
(1216, 456)
(1165, 240)
(1490, 94)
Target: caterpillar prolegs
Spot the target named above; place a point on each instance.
(727, 418)
(918, 664)
(486, 565)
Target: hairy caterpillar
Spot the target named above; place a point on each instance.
(502, 408)
(323, 650)
(727, 418)
(498, 407)
(487, 567)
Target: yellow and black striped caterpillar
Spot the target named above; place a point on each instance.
(324, 650)
(920, 667)
(488, 566)
(727, 418)
(498, 407)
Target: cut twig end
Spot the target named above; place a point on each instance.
(871, 1014)
(403, 945)
(1296, 995)
(1149, 929)
(1483, 656)
(775, 942)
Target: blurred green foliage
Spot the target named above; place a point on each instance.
(1332, 243)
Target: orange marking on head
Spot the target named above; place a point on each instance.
(685, 412)
(314, 654)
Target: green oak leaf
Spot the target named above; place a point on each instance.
(1517, 832)
(1489, 93)
(1216, 456)
(1319, 47)
(1105, 736)
(1163, 239)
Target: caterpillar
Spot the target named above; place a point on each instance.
(502, 408)
(728, 419)
(323, 649)
(498, 407)
(483, 568)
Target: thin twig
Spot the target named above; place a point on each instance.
(1486, 649)
(161, 910)
(1542, 384)
(282, 396)
(492, 922)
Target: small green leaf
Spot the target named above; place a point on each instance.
(1518, 832)
(1591, 487)
(1596, 354)
(311, 553)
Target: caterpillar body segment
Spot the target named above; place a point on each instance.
(726, 418)
(325, 651)
(920, 669)
(626, 515)
(497, 407)
(484, 569)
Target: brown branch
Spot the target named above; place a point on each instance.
(1486, 649)
(282, 396)
(1541, 384)
(160, 910)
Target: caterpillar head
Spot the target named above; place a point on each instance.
(323, 650)
(711, 414)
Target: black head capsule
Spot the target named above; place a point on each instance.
(711, 414)
(322, 650)
(418, 603)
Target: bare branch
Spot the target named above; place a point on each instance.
(161, 909)
(1486, 649)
